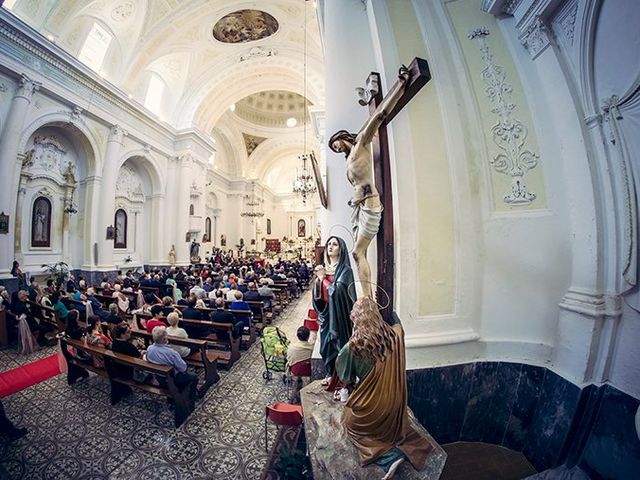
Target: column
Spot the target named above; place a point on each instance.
(9, 143)
(91, 217)
(107, 199)
(168, 230)
(182, 217)
(158, 231)
(348, 38)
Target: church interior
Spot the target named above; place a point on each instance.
(205, 275)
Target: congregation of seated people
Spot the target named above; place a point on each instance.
(104, 314)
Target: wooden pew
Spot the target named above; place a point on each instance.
(228, 350)
(4, 333)
(200, 357)
(240, 315)
(78, 368)
(46, 314)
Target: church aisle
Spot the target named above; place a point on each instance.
(74, 433)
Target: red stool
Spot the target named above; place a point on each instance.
(312, 314)
(282, 413)
(311, 324)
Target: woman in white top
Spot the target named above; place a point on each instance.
(122, 299)
(174, 331)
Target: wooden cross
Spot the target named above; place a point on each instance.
(419, 76)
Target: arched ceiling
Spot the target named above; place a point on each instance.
(262, 49)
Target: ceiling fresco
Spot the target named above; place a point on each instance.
(245, 26)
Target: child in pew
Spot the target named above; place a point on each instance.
(174, 331)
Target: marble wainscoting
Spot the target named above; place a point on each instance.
(532, 410)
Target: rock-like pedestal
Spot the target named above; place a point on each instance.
(332, 454)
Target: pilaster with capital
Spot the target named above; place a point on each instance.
(107, 196)
(9, 143)
(182, 221)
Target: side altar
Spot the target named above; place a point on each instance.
(333, 455)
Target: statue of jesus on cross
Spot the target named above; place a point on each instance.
(367, 208)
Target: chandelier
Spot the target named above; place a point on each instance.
(304, 183)
(253, 204)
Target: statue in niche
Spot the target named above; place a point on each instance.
(366, 205)
(195, 251)
(172, 255)
(376, 416)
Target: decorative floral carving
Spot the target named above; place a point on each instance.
(509, 134)
(129, 185)
(195, 190)
(122, 11)
(535, 38)
(567, 23)
(256, 52)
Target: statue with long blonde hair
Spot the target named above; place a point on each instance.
(376, 415)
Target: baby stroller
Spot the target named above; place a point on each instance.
(273, 346)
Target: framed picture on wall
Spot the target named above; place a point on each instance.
(302, 228)
(268, 226)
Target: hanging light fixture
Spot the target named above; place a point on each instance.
(253, 204)
(304, 183)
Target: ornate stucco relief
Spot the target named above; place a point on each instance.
(509, 133)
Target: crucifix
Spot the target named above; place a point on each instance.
(372, 203)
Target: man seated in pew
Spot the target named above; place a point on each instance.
(240, 304)
(105, 285)
(160, 354)
(173, 330)
(113, 318)
(266, 293)
(149, 301)
(156, 320)
(96, 305)
(168, 306)
(225, 316)
(242, 287)
(252, 294)
(192, 313)
(123, 344)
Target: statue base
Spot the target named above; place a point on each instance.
(331, 452)
(195, 260)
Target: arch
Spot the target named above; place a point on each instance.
(77, 128)
(41, 222)
(120, 223)
(192, 209)
(150, 164)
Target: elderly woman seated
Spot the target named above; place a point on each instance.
(121, 299)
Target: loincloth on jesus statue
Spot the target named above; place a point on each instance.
(365, 221)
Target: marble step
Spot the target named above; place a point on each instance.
(334, 457)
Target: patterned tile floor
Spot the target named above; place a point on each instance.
(74, 432)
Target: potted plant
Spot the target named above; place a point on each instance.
(58, 271)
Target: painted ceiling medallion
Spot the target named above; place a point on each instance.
(245, 26)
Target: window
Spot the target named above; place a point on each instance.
(207, 229)
(95, 47)
(153, 99)
(191, 209)
(120, 237)
(41, 223)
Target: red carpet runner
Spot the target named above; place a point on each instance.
(22, 377)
